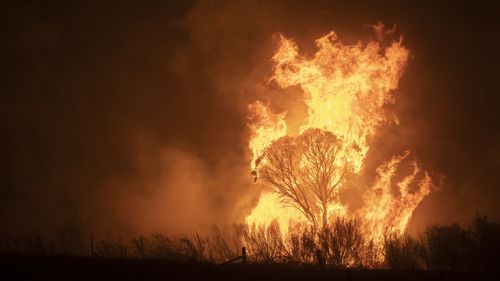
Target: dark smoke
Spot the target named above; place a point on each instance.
(133, 115)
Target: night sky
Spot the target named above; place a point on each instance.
(132, 115)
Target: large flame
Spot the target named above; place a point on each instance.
(346, 88)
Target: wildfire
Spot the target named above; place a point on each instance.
(345, 89)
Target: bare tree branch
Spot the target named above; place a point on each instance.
(307, 172)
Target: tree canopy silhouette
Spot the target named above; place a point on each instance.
(307, 171)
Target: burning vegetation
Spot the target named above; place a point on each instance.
(303, 169)
(303, 166)
(258, 140)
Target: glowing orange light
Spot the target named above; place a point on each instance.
(346, 88)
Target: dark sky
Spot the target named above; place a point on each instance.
(132, 115)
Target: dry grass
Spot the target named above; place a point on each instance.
(341, 245)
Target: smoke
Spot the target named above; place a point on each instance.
(173, 191)
(134, 116)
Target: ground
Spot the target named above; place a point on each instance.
(84, 268)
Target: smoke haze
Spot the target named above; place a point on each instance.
(133, 115)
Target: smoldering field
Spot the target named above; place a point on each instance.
(133, 117)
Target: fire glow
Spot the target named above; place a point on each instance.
(345, 90)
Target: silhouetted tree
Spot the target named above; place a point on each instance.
(449, 246)
(307, 171)
(486, 238)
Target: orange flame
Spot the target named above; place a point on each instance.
(388, 211)
(345, 90)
